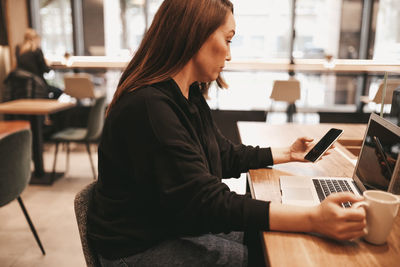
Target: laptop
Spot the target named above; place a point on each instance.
(376, 168)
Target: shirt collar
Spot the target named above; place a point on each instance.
(172, 90)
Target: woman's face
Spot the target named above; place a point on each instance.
(209, 61)
(37, 40)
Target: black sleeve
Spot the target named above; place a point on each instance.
(199, 201)
(41, 62)
(238, 158)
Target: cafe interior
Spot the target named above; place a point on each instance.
(306, 64)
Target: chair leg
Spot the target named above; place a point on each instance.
(271, 110)
(291, 110)
(31, 225)
(67, 158)
(91, 161)
(55, 160)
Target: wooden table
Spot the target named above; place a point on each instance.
(33, 106)
(10, 127)
(36, 108)
(296, 249)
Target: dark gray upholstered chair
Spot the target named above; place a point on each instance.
(15, 171)
(81, 204)
(87, 135)
(24, 84)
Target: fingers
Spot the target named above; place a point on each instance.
(354, 214)
(341, 223)
(331, 147)
(343, 197)
(306, 139)
(350, 235)
(329, 150)
(354, 226)
(351, 230)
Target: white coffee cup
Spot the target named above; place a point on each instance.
(381, 208)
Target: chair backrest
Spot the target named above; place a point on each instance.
(391, 85)
(286, 90)
(79, 85)
(15, 164)
(96, 119)
(81, 205)
(24, 84)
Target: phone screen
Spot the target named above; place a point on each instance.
(319, 149)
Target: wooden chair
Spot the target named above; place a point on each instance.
(391, 85)
(286, 91)
(79, 85)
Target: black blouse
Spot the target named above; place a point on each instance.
(161, 161)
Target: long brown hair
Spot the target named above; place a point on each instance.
(178, 30)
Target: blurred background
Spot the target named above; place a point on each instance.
(337, 29)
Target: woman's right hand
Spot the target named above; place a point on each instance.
(331, 219)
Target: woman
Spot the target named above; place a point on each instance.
(159, 200)
(30, 58)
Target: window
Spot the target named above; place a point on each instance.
(387, 38)
(125, 23)
(257, 33)
(317, 25)
(55, 26)
(127, 20)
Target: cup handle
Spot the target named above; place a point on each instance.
(360, 204)
(364, 205)
(397, 208)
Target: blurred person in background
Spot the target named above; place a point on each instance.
(30, 58)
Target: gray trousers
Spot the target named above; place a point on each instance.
(205, 250)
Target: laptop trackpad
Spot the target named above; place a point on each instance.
(298, 193)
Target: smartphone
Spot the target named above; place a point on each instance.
(322, 146)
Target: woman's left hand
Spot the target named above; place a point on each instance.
(301, 147)
(296, 151)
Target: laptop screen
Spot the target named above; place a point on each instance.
(379, 154)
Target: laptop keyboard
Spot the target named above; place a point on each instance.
(325, 187)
